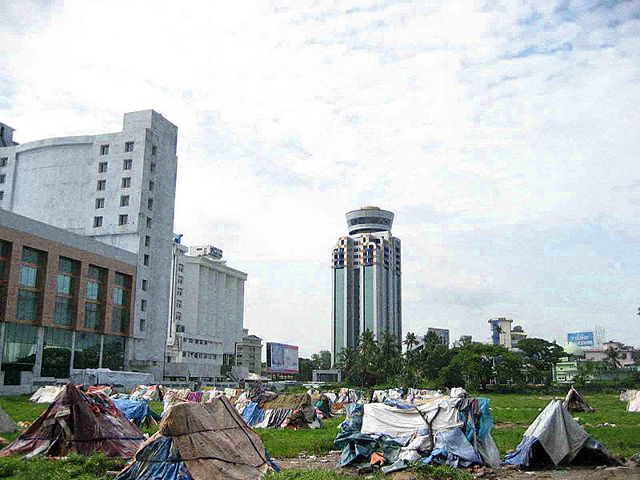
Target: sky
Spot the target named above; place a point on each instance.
(503, 135)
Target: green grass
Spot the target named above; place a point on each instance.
(74, 467)
(289, 443)
(423, 473)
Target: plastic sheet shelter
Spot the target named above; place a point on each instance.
(76, 422)
(6, 422)
(200, 441)
(576, 403)
(136, 411)
(280, 411)
(555, 438)
(46, 394)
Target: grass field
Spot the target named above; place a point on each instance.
(512, 414)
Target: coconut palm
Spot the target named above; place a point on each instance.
(410, 340)
(612, 358)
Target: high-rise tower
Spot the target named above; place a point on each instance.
(366, 280)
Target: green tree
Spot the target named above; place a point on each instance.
(613, 358)
(348, 364)
(430, 340)
(305, 369)
(390, 355)
(368, 359)
(508, 366)
(410, 341)
(540, 356)
(321, 360)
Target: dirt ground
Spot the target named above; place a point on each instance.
(328, 462)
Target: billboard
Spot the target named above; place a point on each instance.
(282, 358)
(581, 339)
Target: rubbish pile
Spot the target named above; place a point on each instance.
(555, 438)
(78, 422)
(201, 441)
(455, 431)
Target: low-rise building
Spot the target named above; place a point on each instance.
(66, 301)
(503, 335)
(249, 353)
(626, 355)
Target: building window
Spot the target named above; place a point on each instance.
(126, 182)
(145, 259)
(154, 150)
(145, 285)
(180, 267)
(180, 280)
(127, 164)
(147, 241)
(152, 167)
(104, 149)
(148, 222)
(94, 304)
(99, 202)
(97, 221)
(178, 316)
(30, 281)
(123, 219)
(3, 161)
(143, 305)
(128, 147)
(151, 185)
(179, 292)
(3, 178)
(178, 303)
(102, 167)
(102, 185)
(121, 298)
(1, 195)
(150, 203)
(124, 200)
(66, 291)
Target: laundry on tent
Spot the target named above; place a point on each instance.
(451, 431)
(633, 399)
(200, 441)
(150, 393)
(576, 403)
(81, 423)
(555, 438)
(272, 410)
(46, 394)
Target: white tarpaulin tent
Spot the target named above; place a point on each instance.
(396, 422)
(46, 394)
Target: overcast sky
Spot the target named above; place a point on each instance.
(505, 137)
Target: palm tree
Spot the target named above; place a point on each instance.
(410, 340)
(612, 357)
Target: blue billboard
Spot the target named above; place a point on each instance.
(581, 339)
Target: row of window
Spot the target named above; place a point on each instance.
(127, 164)
(208, 356)
(128, 147)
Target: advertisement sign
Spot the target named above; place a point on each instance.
(581, 339)
(282, 358)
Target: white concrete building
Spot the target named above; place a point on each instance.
(207, 315)
(249, 353)
(118, 188)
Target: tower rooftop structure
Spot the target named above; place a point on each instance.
(369, 220)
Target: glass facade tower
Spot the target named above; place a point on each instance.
(366, 280)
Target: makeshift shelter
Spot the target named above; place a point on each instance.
(322, 404)
(555, 438)
(45, 394)
(280, 411)
(575, 403)
(81, 423)
(137, 412)
(633, 397)
(456, 432)
(150, 393)
(6, 422)
(200, 441)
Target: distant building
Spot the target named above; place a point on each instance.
(206, 315)
(503, 335)
(366, 280)
(249, 353)
(66, 302)
(566, 370)
(443, 335)
(331, 376)
(627, 355)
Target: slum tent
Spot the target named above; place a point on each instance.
(322, 404)
(281, 411)
(555, 438)
(575, 403)
(200, 441)
(45, 394)
(633, 397)
(456, 432)
(137, 412)
(6, 422)
(81, 423)
(150, 393)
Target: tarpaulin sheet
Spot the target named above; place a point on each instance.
(210, 438)
(453, 449)
(133, 410)
(558, 433)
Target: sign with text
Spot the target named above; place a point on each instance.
(581, 339)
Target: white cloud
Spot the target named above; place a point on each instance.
(491, 129)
